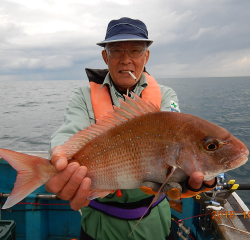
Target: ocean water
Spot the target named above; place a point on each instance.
(30, 111)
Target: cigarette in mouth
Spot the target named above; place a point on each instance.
(132, 75)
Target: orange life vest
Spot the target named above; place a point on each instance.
(101, 99)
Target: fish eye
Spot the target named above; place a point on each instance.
(211, 144)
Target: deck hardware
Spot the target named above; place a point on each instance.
(198, 196)
(182, 229)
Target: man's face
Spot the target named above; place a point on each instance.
(117, 66)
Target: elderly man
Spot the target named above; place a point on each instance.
(125, 49)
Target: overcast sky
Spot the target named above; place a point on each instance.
(56, 39)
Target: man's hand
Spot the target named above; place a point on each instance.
(196, 185)
(174, 190)
(71, 182)
(196, 179)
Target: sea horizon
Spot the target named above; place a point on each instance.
(170, 77)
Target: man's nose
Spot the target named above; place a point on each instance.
(125, 58)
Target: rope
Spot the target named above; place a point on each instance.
(237, 229)
(193, 217)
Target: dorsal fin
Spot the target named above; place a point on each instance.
(128, 109)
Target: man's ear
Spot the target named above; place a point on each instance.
(105, 56)
(146, 56)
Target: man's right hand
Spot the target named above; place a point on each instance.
(71, 182)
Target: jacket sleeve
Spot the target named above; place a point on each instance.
(169, 100)
(76, 117)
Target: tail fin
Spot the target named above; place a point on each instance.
(33, 172)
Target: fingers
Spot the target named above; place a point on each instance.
(210, 182)
(55, 150)
(59, 162)
(195, 180)
(57, 159)
(70, 188)
(71, 184)
(57, 183)
(80, 199)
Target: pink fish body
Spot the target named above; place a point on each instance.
(134, 144)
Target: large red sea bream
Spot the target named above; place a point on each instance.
(134, 144)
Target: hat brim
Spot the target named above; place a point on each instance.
(122, 38)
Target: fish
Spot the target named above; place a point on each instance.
(135, 143)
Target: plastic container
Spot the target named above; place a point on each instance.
(7, 230)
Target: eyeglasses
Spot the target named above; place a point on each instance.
(117, 52)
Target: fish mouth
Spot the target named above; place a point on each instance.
(242, 159)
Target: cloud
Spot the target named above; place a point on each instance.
(50, 62)
(56, 39)
(226, 64)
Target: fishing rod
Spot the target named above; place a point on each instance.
(231, 185)
(241, 186)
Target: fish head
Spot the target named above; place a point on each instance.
(210, 149)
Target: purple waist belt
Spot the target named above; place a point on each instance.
(123, 213)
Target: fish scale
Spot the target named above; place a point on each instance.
(135, 143)
(126, 144)
(131, 149)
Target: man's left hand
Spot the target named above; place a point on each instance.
(196, 179)
(174, 190)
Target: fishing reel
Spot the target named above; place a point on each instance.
(216, 198)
